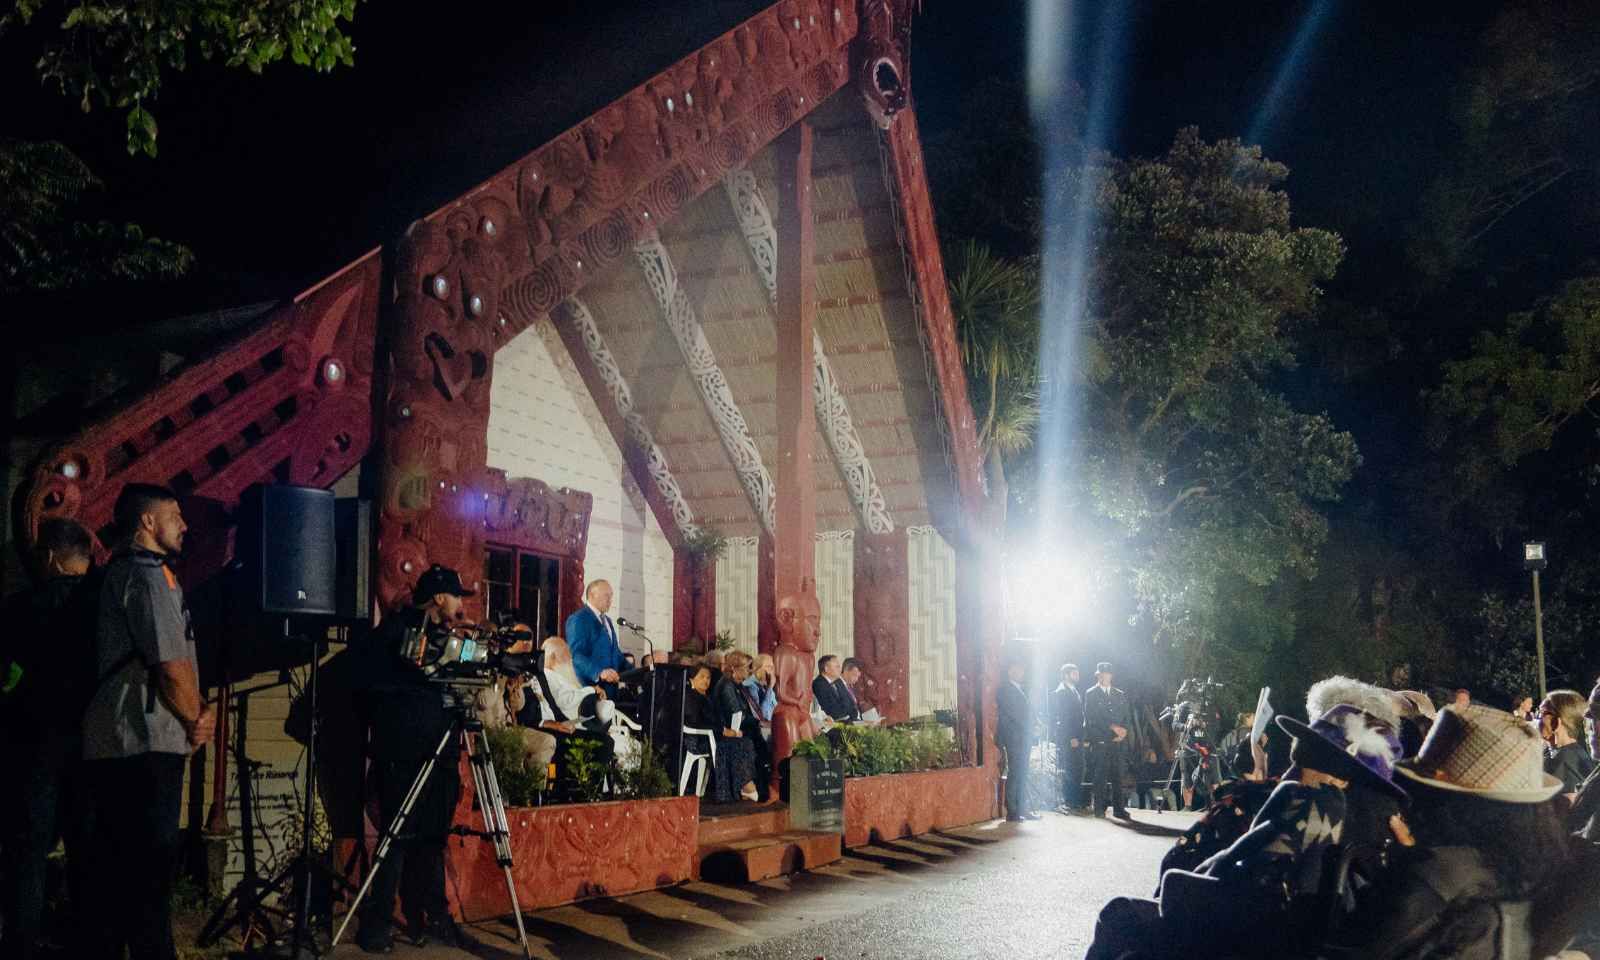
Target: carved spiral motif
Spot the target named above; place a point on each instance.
(728, 149)
(777, 114)
(538, 292)
(609, 239)
(671, 192)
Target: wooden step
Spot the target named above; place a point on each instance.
(726, 828)
(762, 858)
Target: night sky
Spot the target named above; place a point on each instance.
(277, 180)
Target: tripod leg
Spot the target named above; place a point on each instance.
(486, 787)
(393, 830)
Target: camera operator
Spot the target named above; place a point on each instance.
(145, 719)
(51, 637)
(409, 714)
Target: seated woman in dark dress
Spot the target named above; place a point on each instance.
(738, 667)
(736, 751)
(697, 712)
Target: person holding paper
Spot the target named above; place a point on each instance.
(739, 732)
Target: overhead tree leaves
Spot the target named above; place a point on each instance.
(114, 54)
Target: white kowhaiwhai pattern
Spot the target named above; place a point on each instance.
(638, 432)
(684, 323)
(833, 413)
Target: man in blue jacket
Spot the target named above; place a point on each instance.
(596, 657)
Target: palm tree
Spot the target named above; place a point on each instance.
(996, 307)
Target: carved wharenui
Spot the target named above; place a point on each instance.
(833, 410)
(680, 317)
(290, 402)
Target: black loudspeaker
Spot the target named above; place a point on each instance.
(286, 550)
(353, 525)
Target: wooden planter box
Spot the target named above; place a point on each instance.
(905, 804)
(572, 852)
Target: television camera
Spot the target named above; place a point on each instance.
(471, 654)
(1197, 761)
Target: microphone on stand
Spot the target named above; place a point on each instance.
(624, 622)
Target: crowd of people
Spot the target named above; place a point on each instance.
(1390, 830)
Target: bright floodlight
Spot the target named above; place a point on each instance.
(1533, 555)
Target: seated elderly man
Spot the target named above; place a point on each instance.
(497, 707)
(586, 705)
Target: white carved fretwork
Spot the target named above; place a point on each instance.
(833, 413)
(684, 323)
(638, 432)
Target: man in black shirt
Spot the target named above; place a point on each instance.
(47, 673)
(1066, 711)
(409, 715)
(1106, 719)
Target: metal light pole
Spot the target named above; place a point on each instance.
(1533, 560)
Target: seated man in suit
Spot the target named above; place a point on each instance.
(832, 693)
(583, 704)
(596, 657)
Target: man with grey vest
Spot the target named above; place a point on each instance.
(1106, 719)
(144, 721)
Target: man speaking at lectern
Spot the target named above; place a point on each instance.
(596, 656)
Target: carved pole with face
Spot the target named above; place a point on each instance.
(799, 633)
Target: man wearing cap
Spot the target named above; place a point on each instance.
(1106, 718)
(1066, 711)
(409, 716)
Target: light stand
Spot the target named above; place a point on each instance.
(1533, 560)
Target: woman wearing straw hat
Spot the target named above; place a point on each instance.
(1492, 875)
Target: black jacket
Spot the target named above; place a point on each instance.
(1014, 729)
(1066, 713)
(408, 711)
(50, 636)
(835, 699)
(1101, 709)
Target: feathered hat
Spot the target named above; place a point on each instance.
(1349, 743)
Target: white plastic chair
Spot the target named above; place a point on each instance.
(692, 760)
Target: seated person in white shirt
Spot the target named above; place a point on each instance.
(497, 708)
(578, 703)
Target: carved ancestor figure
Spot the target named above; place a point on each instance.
(799, 634)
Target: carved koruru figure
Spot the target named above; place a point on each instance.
(799, 633)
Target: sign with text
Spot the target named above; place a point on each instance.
(816, 794)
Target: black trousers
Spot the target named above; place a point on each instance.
(1106, 758)
(1070, 764)
(1016, 779)
(414, 864)
(136, 845)
(48, 801)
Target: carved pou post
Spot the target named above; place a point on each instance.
(799, 634)
(448, 278)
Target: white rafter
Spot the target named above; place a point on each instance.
(684, 323)
(833, 413)
(638, 432)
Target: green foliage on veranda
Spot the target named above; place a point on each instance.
(115, 54)
(870, 751)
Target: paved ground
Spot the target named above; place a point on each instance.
(1011, 891)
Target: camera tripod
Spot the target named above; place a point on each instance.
(486, 787)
